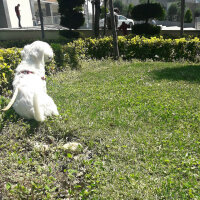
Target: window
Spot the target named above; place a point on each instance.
(122, 18)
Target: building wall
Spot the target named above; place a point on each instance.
(17, 34)
(54, 1)
(190, 1)
(28, 11)
(134, 2)
(5, 21)
(25, 11)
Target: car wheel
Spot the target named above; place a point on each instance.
(131, 24)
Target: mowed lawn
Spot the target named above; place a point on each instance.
(139, 127)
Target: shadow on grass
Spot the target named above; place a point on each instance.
(10, 116)
(33, 126)
(189, 73)
(52, 126)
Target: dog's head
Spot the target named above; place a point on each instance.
(38, 52)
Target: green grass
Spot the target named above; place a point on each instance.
(139, 126)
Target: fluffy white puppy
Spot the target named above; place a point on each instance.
(30, 99)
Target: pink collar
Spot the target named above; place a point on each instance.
(29, 72)
(26, 72)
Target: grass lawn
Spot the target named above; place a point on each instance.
(138, 124)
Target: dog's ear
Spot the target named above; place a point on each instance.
(30, 51)
(36, 52)
(25, 51)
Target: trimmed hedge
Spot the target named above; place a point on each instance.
(9, 59)
(21, 43)
(147, 11)
(130, 48)
(146, 29)
(143, 48)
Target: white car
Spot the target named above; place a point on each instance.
(121, 19)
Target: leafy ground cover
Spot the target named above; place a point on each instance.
(137, 122)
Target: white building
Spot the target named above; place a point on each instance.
(134, 2)
(29, 13)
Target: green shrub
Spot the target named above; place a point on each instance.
(71, 57)
(146, 29)
(172, 11)
(69, 34)
(22, 43)
(14, 43)
(81, 47)
(188, 16)
(155, 48)
(147, 11)
(58, 55)
(9, 59)
(99, 48)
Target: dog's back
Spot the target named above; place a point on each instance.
(32, 100)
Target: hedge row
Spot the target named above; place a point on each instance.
(130, 48)
(9, 59)
(144, 48)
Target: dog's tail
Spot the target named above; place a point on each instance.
(39, 116)
(12, 100)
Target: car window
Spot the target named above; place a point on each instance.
(122, 18)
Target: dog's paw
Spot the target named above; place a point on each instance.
(56, 113)
(40, 118)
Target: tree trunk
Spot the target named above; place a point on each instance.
(92, 15)
(113, 26)
(146, 21)
(41, 19)
(96, 18)
(88, 17)
(105, 17)
(182, 17)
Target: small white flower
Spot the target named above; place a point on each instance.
(41, 147)
(72, 146)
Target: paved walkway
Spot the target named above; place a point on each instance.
(175, 28)
(58, 27)
(46, 27)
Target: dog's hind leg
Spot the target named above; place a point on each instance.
(39, 113)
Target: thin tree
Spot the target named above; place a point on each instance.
(105, 17)
(113, 26)
(182, 17)
(87, 10)
(92, 2)
(147, 18)
(41, 19)
(96, 17)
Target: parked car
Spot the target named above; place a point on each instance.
(121, 19)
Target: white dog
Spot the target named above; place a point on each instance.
(30, 99)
